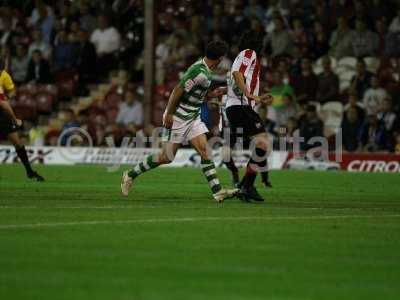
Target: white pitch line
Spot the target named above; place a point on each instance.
(7, 207)
(183, 220)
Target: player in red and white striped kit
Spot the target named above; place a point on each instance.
(242, 96)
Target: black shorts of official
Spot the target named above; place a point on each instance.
(7, 124)
(244, 123)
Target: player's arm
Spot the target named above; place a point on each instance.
(5, 106)
(239, 80)
(172, 105)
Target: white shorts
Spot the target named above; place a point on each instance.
(184, 131)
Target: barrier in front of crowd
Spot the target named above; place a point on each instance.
(115, 157)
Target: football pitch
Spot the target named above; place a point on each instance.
(329, 235)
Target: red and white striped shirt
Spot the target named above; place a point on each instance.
(248, 64)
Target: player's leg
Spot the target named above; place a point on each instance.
(208, 168)
(230, 164)
(23, 157)
(166, 156)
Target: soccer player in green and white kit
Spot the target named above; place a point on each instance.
(182, 122)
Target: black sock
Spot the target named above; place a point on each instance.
(263, 164)
(249, 177)
(21, 152)
(231, 166)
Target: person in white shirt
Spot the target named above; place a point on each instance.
(105, 38)
(131, 110)
(107, 41)
(373, 97)
(39, 44)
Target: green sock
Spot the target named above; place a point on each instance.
(210, 173)
(144, 166)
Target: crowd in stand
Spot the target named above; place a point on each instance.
(330, 64)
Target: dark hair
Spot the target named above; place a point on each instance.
(251, 40)
(311, 108)
(216, 49)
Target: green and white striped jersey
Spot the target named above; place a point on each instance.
(195, 82)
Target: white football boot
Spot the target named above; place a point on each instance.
(225, 194)
(126, 183)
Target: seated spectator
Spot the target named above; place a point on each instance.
(39, 44)
(86, 61)
(353, 103)
(340, 42)
(305, 85)
(328, 83)
(374, 96)
(288, 110)
(351, 128)
(19, 64)
(364, 42)
(107, 42)
(383, 36)
(7, 33)
(373, 136)
(299, 36)
(131, 110)
(38, 69)
(361, 81)
(64, 52)
(320, 42)
(310, 125)
(284, 99)
(279, 40)
(388, 117)
(86, 19)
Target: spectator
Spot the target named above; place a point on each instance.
(310, 125)
(39, 44)
(351, 128)
(381, 30)
(279, 40)
(305, 85)
(288, 110)
(373, 136)
(388, 117)
(361, 81)
(328, 83)
(364, 42)
(38, 69)
(19, 64)
(320, 42)
(7, 33)
(131, 110)
(299, 36)
(45, 22)
(341, 40)
(64, 52)
(353, 103)
(86, 19)
(374, 96)
(107, 41)
(284, 98)
(86, 61)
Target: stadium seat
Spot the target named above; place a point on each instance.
(347, 75)
(331, 113)
(348, 62)
(372, 64)
(25, 106)
(344, 85)
(44, 101)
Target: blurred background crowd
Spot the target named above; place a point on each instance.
(330, 64)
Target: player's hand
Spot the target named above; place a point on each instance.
(251, 97)
(18, 122)
(168, 120)
(266, 99)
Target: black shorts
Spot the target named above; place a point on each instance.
(243, 122)
(7, 124)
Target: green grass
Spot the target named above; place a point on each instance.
(318, 236)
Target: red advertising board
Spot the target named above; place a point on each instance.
(371, 162)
